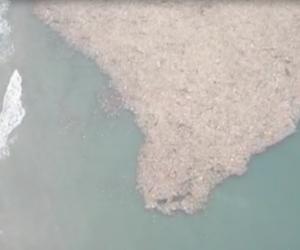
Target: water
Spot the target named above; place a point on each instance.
(69, 181)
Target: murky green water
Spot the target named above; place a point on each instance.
(69, 182)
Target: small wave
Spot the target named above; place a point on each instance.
(12, 112)
(6, 46)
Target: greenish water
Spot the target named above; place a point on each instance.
(69, 182)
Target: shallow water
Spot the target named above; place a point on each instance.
(69, 182)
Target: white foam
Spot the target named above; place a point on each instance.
(6, 46)
(12, 111)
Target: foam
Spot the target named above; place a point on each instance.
(12, 111)
(6, 47)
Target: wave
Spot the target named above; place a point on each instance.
(12, 112)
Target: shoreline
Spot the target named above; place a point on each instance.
(209, 86)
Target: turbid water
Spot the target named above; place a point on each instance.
(69, 181)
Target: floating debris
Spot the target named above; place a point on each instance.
(210, 84)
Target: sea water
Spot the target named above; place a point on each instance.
(69, 180)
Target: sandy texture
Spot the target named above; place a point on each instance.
(210, 84)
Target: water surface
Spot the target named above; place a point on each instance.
(69, 182)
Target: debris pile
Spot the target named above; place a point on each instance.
(210, 84)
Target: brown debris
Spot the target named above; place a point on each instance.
(210, 85)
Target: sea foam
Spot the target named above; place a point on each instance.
(6, 46)
(12, 111)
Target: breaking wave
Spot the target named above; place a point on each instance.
(12, 112)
